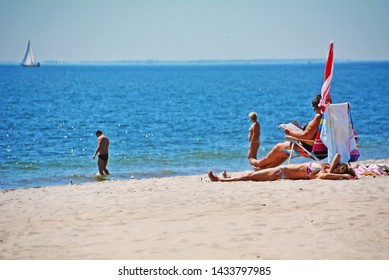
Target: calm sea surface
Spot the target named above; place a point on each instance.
(166, 120)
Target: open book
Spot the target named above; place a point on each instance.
(294, 126)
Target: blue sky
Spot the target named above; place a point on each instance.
(97, 30)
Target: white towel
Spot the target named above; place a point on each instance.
(337, 132)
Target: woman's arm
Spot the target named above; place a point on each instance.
(334, 163)
(309, 132)
(333, 176)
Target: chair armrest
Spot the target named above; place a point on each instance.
(296, 140)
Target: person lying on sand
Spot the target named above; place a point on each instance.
(312, 170)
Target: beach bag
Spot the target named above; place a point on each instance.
(318, 148)
(354, 154)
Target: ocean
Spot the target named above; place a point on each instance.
(169, 119)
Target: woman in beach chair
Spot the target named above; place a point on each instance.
(280, 152)
(336, 135)
(304, 171)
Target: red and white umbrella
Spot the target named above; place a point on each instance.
(325, 89)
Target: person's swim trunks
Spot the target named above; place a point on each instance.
(104, 157)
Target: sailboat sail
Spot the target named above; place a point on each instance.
(29, 60)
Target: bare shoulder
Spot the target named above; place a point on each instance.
(314, 123)
(317, 118)
(103, 139)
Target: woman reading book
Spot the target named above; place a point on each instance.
(280, 152)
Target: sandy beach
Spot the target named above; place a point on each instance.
(193, 218)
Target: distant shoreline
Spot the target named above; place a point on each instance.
(197, 62)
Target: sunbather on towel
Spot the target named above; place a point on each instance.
(312, 170)
(280, 152)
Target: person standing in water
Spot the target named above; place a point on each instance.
(254, 136)
(102, 151)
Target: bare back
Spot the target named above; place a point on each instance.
(102, 144)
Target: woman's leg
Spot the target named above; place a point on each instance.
(270, 174)
(274, 158)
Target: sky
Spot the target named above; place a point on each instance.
(180, 30)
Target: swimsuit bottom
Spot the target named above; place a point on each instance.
(104, 157)
(281, 173)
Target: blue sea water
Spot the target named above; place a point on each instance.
(167, 120)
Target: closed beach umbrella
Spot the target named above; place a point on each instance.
(325, 89)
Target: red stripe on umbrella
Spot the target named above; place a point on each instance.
(325, 89)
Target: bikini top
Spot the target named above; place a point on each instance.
(314, 166)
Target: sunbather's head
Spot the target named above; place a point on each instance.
(344, 168)
(316, 101)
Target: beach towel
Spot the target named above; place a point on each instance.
(337, 131)
(372, 170)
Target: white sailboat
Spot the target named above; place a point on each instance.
(29, 60)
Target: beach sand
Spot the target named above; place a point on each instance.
(193, 218)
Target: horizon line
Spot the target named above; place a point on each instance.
(191, 61)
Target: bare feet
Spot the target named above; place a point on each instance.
(225, 175)
(212, 176)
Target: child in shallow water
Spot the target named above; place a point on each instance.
(312, 170)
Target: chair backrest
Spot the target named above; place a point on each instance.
(337, 132)
(318, 148)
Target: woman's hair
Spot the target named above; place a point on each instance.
(344, 168)
(316, 101)
(253, 116)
